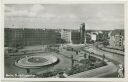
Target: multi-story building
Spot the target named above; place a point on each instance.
(75, 37)
(78, 36)
(13, 36)
(82, 33)
(33, 36)
(26, 36)
(116, 38)
(66, 35)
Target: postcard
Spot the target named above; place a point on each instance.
(64, 41)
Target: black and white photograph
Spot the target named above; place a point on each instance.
(57, 81)
(64, 40)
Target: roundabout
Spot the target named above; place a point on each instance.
(36, 61)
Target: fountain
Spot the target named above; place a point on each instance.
(36, 62)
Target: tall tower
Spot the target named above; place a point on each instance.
(82, 33)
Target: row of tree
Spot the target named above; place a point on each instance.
(100, 37)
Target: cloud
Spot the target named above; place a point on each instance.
(95, 16)
(37, 11)
(37, 8)
(17, 13)
(32, 12)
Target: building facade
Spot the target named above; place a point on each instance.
(75, 37)
(82, 33)
(66, 35)
(116, 39)
(27, 37)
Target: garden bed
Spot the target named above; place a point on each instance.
(81, 66)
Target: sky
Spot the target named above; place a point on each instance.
(68, 16)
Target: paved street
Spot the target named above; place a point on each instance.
(65, 61)
(111, 71)
(115, 51)
(115, 57)
(61, 41)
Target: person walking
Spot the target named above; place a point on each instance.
(85, 55)
(120, 71)
(76, 52)
(103, 57)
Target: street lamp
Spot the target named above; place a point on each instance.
(72, 61)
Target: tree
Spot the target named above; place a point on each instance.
(99, 37)
(105, 38)
(105, 43)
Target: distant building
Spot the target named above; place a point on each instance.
(75, 37)
(13, 36)
(66, 35)
(116, 38)
(82, 33)
(27, 37)
(93, 36)
(78, 36)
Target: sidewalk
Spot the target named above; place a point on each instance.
(98, 72)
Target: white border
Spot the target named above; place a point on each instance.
(63, 2)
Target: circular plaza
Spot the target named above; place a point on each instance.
(36, 61)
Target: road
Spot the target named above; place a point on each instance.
(111, 71)
(119, 59)
(65, 61)
(115, 58)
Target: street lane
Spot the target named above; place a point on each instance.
(115, 57)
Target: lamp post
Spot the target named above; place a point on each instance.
(72, 61)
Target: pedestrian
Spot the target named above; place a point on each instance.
(76, 52)
(85, 55)
(120, 71)
(103, 57)
(72, 61)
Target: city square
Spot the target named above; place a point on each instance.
(33, 51)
